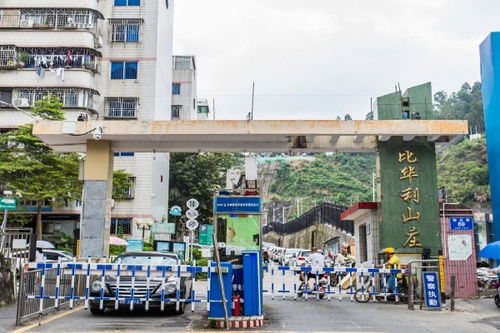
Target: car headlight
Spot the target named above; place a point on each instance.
(96, 286)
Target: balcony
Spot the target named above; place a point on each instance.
(88, 4)
(12, 57)
(50, 19)
(71, 97)
(80, 78)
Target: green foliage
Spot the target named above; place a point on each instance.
(121, 185)
(61, 241)
(340, 178)
(463, 170)
(465, 104)
(197, 176)
(115, 250)
(49, 108)
(148, 246)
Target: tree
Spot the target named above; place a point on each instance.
(465, 104)
(369, 116)
(347, 117)
(197, 176)
(29, 167)
(121, 185)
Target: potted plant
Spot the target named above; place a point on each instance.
(23, 59)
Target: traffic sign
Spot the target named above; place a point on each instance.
(192, 203)
(8, 203)
(175, 211)
(192, 224)
(192, 214)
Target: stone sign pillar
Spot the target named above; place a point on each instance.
(96, 212)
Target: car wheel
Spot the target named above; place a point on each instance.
(96, 311)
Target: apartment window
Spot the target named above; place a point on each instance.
(127, 2)
(176, 88)
(123, 154)
(123, 70)
(125, 31)
(121, 107)
(202, 108)
(176, 111)
(121, 226)
(5, 96)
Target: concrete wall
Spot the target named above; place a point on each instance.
(369, 221)
(321, 233)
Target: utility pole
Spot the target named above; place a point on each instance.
(373, 186)
(253, 100)
(213, 107)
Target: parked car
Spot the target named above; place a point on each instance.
(140, 286)
(51, 255)
(301, 257)
(277, 254)
(288, 257)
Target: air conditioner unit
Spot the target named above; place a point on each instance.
(21, 102)
(26, 23)
(98, 42)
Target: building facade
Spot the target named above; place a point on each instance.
(105, 60)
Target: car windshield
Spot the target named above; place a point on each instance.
(306, 253)
(144, 260)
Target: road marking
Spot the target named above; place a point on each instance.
(48, 320)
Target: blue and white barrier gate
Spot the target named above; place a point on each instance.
(119, 284)
(369, 282)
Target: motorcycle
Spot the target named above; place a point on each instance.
(320, 288)
(336, 277)
(497, 296)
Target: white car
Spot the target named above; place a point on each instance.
(288, 257)
(302, 256)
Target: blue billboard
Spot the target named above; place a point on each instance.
(490, 77)
(237, 205)
(461, 223)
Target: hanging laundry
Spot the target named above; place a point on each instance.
(60, 73)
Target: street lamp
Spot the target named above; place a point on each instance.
(144, 225)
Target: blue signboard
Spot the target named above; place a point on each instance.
(431, 290)
(461, 223)
(237, 205)
(134, 245)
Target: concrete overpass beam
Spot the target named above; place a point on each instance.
(433, 138)
(384, 138)
(359, 138)
(96, 213)
(334, 139)
(407, 138)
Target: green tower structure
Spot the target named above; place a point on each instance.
(409, 210)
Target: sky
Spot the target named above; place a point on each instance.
(319, 59)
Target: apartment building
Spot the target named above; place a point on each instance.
(185, 102)
(105, 59)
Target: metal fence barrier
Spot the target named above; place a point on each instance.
(46, 281)
(49, 285)
(363, 282)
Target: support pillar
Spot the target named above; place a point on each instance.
(96, 212)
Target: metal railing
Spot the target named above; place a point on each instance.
(324, 213)
(360, 283)
(45, 281)
(48, 286)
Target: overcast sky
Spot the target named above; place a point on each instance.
(319, 59)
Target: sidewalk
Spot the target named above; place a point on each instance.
(7, 318)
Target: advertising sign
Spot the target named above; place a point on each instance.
(431, 290)
(237, 205)
(8, 203)
(171, 247)
(163, 228)
(461, 223)
(134, 245)
(205, 234)
(459, 247)
(242, 232)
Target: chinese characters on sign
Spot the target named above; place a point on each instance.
(431, 290)
(410, 195)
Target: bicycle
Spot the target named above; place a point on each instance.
(367, 290)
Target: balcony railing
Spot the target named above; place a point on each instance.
(70, 97)
(46, 18)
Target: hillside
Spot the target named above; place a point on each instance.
(340, 178)
(347, 178)
(463, 169)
